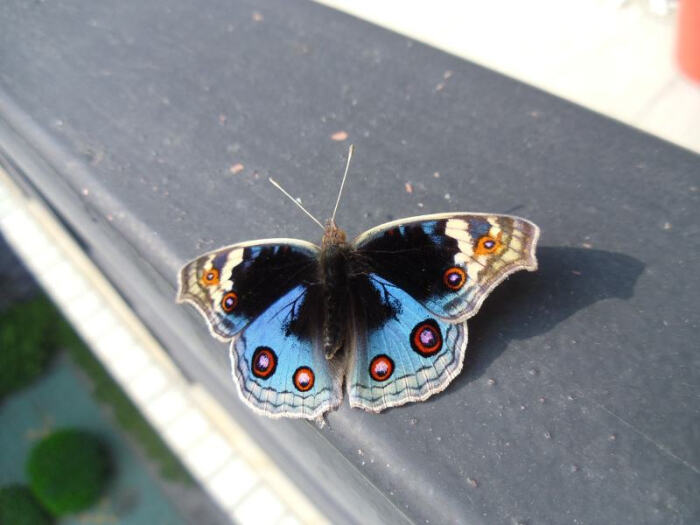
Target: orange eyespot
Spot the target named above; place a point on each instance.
(229, 302)
(264, 362)
(210, 277)
(304, 379)
(454, 278)
(381, 368)
(426, 339)
(488, 244)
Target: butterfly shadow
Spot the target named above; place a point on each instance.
(531, 304)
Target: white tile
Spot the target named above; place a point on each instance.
(184, 431)
(7, 203)
(675, 113)
(260, 507)
(232, 483)
(82, 308)
(165, 407)
(208, 455)
(107, 337)
(289, 519)
(32, 240)
(110, 342)
(7, 206)
(9, 219)
(68, 285)
(100, 326)
(128, 364)
(38, 258)
(14, 224)
(148, 382)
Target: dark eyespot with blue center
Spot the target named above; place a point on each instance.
(381, 368)
(426, 339)
(264, 362)
(303, 379)
(229, 302)
(454, 278)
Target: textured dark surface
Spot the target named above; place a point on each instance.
(579, 401)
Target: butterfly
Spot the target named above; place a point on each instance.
(384, 315)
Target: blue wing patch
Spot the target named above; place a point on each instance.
(281, 373)
(410, 357)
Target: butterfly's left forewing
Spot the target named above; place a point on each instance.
(261, 294)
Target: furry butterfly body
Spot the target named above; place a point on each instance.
(384, 316)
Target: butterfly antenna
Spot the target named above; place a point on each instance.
(342, 184)
(276, 185)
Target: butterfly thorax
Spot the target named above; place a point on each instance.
(334, 271)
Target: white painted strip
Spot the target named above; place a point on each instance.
(261, 507)
(205, 458)
(186, 430)
(128, 366)
(233, 483)
(167, 406)
(147, 384)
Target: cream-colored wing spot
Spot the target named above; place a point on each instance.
(458, 229)
(232, 260)
(495, 227)
(515, 243)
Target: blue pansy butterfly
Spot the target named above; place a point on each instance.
(384, 315)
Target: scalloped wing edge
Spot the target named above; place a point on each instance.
(443, 381)
(331, 404)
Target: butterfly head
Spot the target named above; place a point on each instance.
(332, 235)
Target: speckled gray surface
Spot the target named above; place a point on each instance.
(578, 403)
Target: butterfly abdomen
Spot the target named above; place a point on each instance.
(334, 269)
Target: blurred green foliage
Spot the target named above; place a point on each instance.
(18, 506)
(68, 471)
(27, 343)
